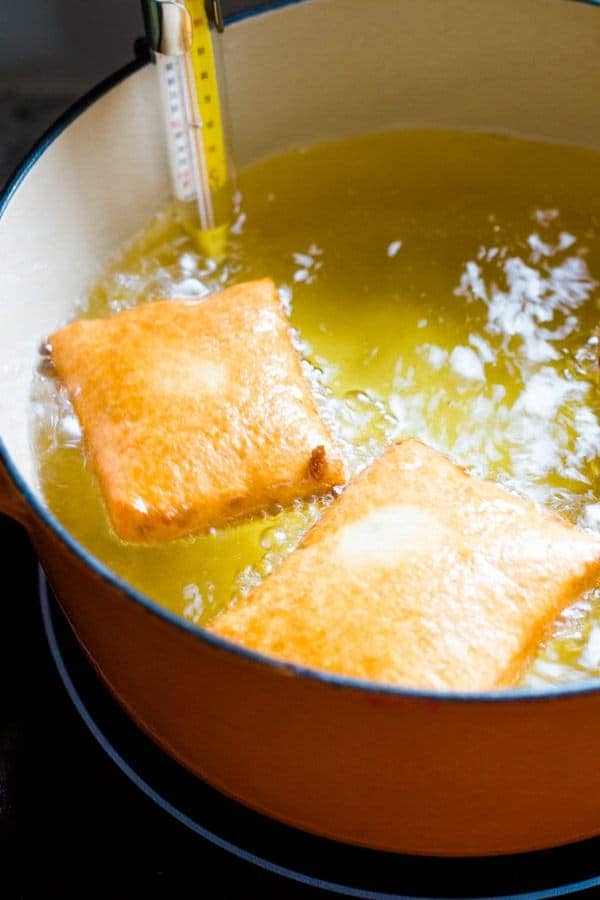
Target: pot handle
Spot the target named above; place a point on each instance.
(12, 503)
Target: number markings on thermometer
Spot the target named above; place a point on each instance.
(178, 134)
(207, 92)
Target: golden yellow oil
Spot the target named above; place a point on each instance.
(442, 285)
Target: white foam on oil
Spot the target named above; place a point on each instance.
(465, 362)
(393, 249)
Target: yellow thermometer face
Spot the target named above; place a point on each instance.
(207, 94)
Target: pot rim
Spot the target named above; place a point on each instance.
(527, 695)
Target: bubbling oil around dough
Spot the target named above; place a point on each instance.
(441, 285)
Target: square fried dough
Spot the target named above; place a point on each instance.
(419, 575)
(195, 414)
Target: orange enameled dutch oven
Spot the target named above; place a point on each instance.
(383, 767)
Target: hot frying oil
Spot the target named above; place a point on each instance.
(441, 285)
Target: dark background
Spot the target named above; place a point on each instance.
(71, 824)
(72, 42)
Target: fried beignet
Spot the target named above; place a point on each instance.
(195, 414)
(419, 575)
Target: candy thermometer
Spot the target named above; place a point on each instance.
(184, 38)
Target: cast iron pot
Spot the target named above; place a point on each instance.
(389, 768)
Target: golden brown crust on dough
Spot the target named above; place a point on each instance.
(195, 414)
(419, 575)
(317, 465)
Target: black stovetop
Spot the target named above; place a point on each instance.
(71, 823)
(74, 824)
